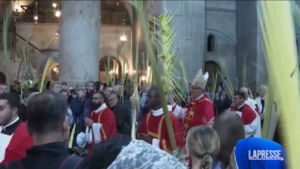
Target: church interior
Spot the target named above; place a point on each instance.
(208, 33)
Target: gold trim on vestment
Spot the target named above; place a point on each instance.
(158, 135)
(189, 117)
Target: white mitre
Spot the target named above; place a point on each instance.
(200, 80)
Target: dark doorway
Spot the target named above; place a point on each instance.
(210, 43)
(212, 68)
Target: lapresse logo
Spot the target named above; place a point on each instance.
(265, 155)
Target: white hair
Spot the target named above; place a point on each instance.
(264, 87)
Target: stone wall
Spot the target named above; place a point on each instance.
(221, 23)
(193, 22)
(39, 35)
(16, 61)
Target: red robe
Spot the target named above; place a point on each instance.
(155, 126)
(20, 141)
(248, 116)
(199, 112)
(104, 125)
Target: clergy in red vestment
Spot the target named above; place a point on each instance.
(14, 138)
(248, 115)
(153, 127)
(200, 110)
(253, 105)
(100, 126)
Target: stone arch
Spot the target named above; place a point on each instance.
(212, 68)
(112, 52)
(225, 56)
(211, 46)
(2, 77)
(114, 64)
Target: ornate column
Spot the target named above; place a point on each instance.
(79, 41)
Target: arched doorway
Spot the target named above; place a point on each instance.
(212, 68)
(113, 66)
(2, 77)
(53, 71)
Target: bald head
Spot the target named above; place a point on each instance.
(262, 91)
(245, 91)
(230, 129)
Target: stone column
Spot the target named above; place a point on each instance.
(248, 43)
(79, 41)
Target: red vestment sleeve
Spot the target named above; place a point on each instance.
(109, 125)
(177, 132)
(19, 143)
(143, 126)
(164, 142)
(209, 111)
(248, 115)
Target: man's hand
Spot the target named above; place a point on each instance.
(145, 138)
(89, 122)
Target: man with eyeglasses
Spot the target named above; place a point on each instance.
(121, 112)
(247, 114)
(100, 125)
(200, 110)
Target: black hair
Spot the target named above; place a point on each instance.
(113, 92)
(101, 93)
(12, 99)
(155, 89)
(45, 112)
(240, 94)
(63, 90)
(34, 89)
(105, 153)
(73, 91)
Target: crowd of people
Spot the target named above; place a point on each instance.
(89, 127)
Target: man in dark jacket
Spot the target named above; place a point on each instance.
(81, 108)
(48, 125)
(121, 112)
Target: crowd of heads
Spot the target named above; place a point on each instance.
(47, 121)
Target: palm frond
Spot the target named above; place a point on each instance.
(279, 40)
(214, 87)
(48, 64)
(6, 22)
(140, 9)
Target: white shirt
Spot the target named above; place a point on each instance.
(252, 103)
(258, 102)
(70, 116)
